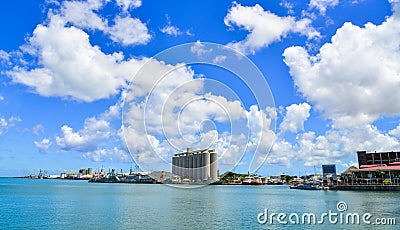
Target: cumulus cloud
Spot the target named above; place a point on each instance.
(317, 150)
(261, 134)
(128, 4)
(176, 112)
(264, 27)
(128, 31)
(98, 139)
(101, 155)
(86, 139)
(61, 61)
(6, 124)
(95, 131)
(171, 30)
(4, 56)
(71, 67)
(175, 108)
(282, 154)
(338, 146)
(322, 5)
(219, 59)
(395, 132)
(82, 14)
(367, 137)
(43, 145)
(125, 30)
(288, 5)
(353, 79)
(296, 115)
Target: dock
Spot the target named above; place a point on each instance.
(366, 187)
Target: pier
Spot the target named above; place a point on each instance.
(367, 187)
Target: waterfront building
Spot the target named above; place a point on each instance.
(377, 158)
(374, 168)
(329, 172)
(198, 166)
(374, 174)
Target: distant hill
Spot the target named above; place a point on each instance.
(232, 176)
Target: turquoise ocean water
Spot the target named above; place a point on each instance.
(64, 204)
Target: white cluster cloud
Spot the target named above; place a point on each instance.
(175, 107)
(219, 59)
(128, 4)
(367, 137)
(72, 67)
(43, 145)
(199, 49)
(282, 154)
(5, 123)
(295, 117)
(38, 129)
(114, 154)
(288, 5)
(322, 5)
(264, 27)
(125, 30)
(334, 146)
(172, 112)
(316, 150)
(86, 139)
(170, 29)
(68, 65)
(395, 132)
(128, 31)
(82, 14)
(4, 56)
(355, 78)
(95, 138)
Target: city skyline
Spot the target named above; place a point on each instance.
(66, 68)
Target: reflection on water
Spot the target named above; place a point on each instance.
(60, 204)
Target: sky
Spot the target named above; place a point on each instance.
(274, 86)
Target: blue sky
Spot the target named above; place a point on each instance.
(331, 66)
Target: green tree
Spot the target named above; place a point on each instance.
(379, 173)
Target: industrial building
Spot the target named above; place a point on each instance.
(199, 166)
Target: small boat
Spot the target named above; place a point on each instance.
(305, 187)
(252, 180)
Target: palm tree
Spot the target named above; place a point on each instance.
(379, 173)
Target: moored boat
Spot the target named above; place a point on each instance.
(252, 180)
(305, 187)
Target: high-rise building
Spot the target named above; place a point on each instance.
(199, 166)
